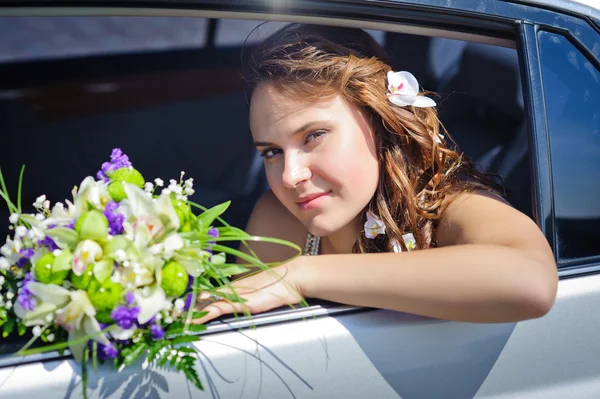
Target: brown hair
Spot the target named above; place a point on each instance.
(417, 174)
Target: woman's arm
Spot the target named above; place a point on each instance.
(493, 265)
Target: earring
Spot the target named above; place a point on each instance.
(373, 226)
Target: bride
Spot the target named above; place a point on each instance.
(362, 176)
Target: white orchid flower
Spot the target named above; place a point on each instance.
(373, 226)
(10, 250)
(73, 309)
(403, 89)
(150, 211)
(86, 252)
(93, 192)
(151, 300)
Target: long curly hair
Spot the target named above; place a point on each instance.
(417, 172)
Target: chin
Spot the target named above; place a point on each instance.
(321, 226)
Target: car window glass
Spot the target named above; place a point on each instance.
(36, 38)
(572, 95)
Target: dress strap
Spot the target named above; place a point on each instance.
(312, 244)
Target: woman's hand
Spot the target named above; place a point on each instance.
(263, 291)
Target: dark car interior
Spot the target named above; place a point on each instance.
(184, 108)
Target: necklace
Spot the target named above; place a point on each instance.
(312, 245)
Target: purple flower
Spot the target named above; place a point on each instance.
(117, 160)
(25, 297)
(129, 297)
(49, 243)
(188, 301)
(71, 225)
(26, 254)
(157, 331)
(213, 232)
(106, 352)
(115, 220)
(125, 317)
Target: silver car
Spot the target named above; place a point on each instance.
(520, 93)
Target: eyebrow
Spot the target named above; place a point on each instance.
(300, 130)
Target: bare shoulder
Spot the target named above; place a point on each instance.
(270, 218)
(482, 217)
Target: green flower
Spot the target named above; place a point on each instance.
(82, 282)
(174, 279)
(44, 273)
(103, 316)
(118, 177)
(104, 296)
(183, 211)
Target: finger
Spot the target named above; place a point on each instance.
(218, 309)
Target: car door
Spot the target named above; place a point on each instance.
(547, 160)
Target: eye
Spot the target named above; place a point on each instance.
(314, 135)
(269, 153)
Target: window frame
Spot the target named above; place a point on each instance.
(494, 22)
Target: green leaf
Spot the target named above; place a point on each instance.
(191, 374)
(84, 375)
(135, 352)
(95, 354)
(9, 326)
(154, 349)
(209, 216)
(229, 269)
(192, 328)
(22, 329)
(198, 315)
(64, 237)
(20, 188)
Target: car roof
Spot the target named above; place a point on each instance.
(588, 8)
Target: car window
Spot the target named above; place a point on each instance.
(572, 94)
(68, 98)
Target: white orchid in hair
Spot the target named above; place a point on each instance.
(403, 89)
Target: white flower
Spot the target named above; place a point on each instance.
(50, 337)
(87, 252)
(409, 241)
(36, 234)
(2, 280)
(46, 204)
(120, 255)
(10, 295)
(14, 218)
(403, 89)
(179, 304)
(36, 331)
(39, 201)
(8, 305)
(148, 187)
(373, 226)
(4, 263)
(121, 334)
(159, 182)
(39, 217)
(20, 231)
(150, 301)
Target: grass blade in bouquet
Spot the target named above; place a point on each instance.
(113, 274)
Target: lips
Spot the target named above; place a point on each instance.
(311, 201)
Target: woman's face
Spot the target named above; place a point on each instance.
(320, 157)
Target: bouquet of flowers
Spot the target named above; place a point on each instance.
(114, 273)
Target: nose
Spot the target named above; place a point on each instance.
(295, 170)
